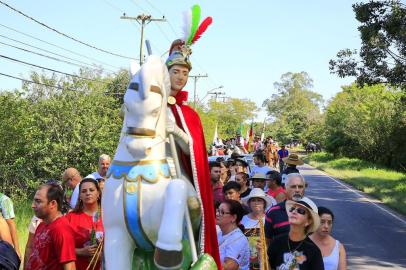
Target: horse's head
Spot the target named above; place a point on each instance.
(145, 105)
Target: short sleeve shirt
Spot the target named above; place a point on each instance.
(276, 221)
(32, 227)
(53, 246)
(302, 255)
(234, 245)
(6, 207)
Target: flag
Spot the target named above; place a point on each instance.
(215, 137)
(250, 147)
(263, 132)
(239, 131)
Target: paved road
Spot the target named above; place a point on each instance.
(374, 237)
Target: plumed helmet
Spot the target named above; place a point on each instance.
(178, 58)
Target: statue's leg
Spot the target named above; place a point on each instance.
(118, 244)
(168, 252)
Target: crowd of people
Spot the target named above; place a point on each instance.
(66, 230)
(296, 233)
(264, 218)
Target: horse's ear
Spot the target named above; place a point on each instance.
(134, 67)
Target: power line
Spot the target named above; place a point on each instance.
(93, 66)
(59, 47)
(43, 55)
(169, 23)
(29, 81)
(63, 34)
(49, 69)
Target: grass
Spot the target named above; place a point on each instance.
(384, 184)
(23, 214)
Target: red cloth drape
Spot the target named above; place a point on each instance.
(195, 128)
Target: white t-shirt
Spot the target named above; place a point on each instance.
(250, 223)
(32, 227)
(95, 175)
(234, 245)
(263, 170)
(75, 196)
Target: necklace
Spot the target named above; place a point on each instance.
(290, 250)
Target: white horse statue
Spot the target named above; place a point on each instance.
(143, 207)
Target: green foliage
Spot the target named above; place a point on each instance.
(382, 57)
(295, 109)
(45, 129)
(382, 183)
(368, 123)
(229, 115)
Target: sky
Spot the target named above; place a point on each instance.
(247, 48)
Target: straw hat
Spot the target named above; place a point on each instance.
(259, 176)
(309, 205)
(293, 159)
(258, 193)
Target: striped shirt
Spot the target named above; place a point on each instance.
(276, 221)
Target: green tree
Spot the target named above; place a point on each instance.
(47, 129)
(295, 107)
(382, 57)
(228, 116)
(366, 122)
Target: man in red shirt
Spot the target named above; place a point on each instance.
(54, 245)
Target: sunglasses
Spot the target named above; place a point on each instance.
(299, 210)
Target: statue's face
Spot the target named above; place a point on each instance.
(178, 75)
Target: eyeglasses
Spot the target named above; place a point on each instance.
(221, 212)
(299, 210)
(296, 186)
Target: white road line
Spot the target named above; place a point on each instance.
(362, 196)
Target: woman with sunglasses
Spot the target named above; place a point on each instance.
(295, 250)
(86, 222)
(233, 245)
(333, 251)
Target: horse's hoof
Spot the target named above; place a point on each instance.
(168, 259)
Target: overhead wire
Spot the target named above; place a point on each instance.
(63, 34)
(44, 84)
(159, 11)
(93, 66)
(59, 47)
(49, 69)
(43, 55)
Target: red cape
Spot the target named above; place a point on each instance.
(194, 126)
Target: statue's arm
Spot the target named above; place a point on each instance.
(181, 137)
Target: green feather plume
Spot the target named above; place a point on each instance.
(195, 23)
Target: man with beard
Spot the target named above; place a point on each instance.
(276, 221)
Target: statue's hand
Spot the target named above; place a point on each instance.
(181, 137)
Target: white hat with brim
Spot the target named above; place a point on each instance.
(309, 205)
(293, 159)
(258, 193)
(258, 176)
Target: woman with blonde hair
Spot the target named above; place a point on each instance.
(295, 250)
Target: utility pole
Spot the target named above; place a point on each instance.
(143, 20)
(216, 94)
(196, 77)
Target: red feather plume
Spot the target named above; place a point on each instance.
(202, 28)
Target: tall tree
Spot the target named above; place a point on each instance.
(368, 123)
(294, 107)
(229, 115)
(382, 58)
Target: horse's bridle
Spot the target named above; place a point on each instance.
(145, 132)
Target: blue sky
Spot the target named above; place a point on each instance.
(247, 48)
